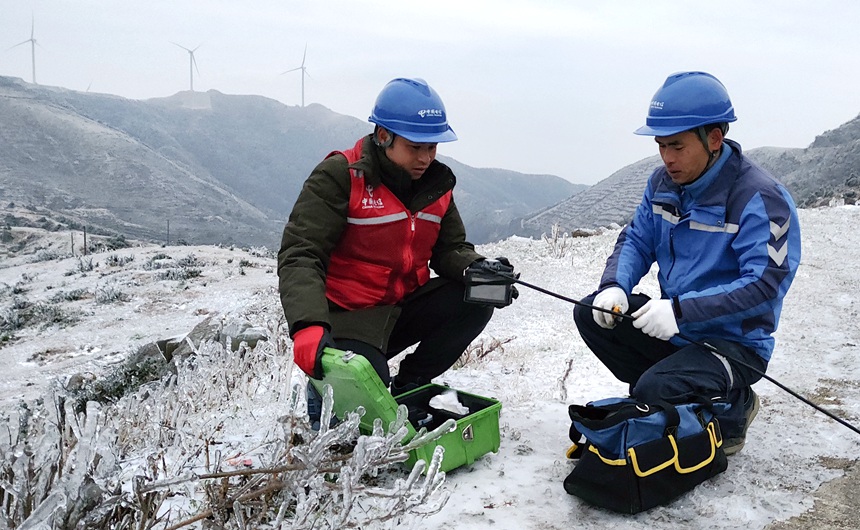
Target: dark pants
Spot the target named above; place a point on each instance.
(659, 370)
(442, 325)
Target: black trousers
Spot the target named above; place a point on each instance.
(442, 325)
(659, 370)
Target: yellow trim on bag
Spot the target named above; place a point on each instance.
(619, 462)
(572, 449)
(712, 436)
(639, 473)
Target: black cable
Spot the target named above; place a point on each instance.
(705, 345)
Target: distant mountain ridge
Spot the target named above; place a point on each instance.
(218, 168)
(826, 171)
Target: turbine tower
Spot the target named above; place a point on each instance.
(304, 73)
(32, 41)
(192, 63)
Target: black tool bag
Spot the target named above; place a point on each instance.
(635, 456)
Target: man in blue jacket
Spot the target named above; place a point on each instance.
(726, 238)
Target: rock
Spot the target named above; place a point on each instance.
(235, 333)
(208, 329)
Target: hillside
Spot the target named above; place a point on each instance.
(218, 168)
(828, 170)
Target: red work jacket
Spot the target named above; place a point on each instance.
(383, 253)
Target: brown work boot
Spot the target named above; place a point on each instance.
(733, 445)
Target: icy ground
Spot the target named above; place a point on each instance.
(544, 366)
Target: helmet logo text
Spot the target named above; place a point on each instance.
(433, 113)
(656, 104)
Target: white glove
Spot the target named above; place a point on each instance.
(613, 299)
(657, 319)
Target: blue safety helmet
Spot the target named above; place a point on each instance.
(687, 100)
(411, 109)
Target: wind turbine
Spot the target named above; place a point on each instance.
(304, 73)
(32, 41)
(192, 63)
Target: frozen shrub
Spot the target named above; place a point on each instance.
(105, 245)
(19, 302)
(261, 252)
(557, 241)
(115, 260)
(157, 262)
(50, 314)
(156, 457)
(109, 294)
(10, 320)
(83, 265)
(188, 261)
(22, 314)
(480, 349)
(182, 274)
(69, 296)
(47, 254)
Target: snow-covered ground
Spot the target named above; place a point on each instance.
(542, 367)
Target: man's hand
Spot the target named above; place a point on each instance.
(613, 299)
(308, 345)
(501, 268)
(507, 263)
(657, 319)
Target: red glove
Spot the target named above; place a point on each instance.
(308, 345)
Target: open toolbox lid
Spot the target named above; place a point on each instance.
(355, 383)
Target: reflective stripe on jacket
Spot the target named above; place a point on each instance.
(384, 251)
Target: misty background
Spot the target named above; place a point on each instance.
(537, 87)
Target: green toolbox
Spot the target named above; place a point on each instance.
(355, 383)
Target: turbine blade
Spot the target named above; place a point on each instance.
(305, 54)
(194, 62)
(181, 46)
(292, 70)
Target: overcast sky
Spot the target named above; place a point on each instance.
(534, 86)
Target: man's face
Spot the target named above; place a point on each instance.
(683, 155)
(415, 158)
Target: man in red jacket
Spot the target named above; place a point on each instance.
(356, 253)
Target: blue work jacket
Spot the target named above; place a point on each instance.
(727, 246)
